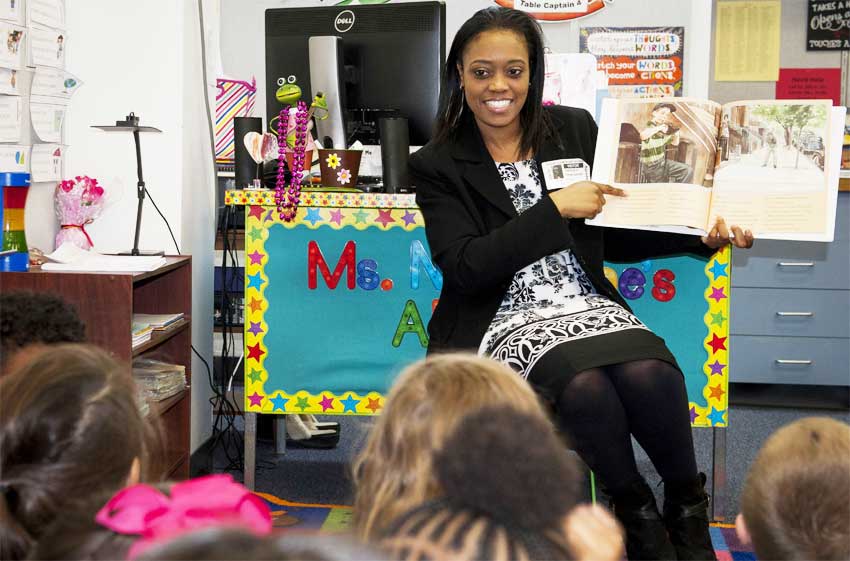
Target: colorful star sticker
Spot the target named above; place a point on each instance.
(255, 328)
(255, 234)
(409, 218)
(717, 343)
(717, 294)
(302, 403)
(336, 217)
(256, 400)
(255, 212)
(326, 403)
(384, 218)
(255, 375)
(255, 352)
(716, 416)
(717, 367)
(255, 305)
(313, 216)
(349, 404)
(256, 257)
(255, 280)
(718, 269)
(693, 413)
(360, 216)
(269, 216)
(279, 402)
(374, 404)
(718, 319)
(716, 392)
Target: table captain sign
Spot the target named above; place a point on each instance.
(337, 303)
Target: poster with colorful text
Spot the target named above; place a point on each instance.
(639, 61)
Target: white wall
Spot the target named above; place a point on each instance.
(243, 33)
(145, 57)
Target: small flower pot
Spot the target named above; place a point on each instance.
(339, 168)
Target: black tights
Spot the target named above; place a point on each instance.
(602, 407)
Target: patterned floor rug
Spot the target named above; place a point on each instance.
(337, 518)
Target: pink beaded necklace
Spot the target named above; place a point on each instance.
(287, 199)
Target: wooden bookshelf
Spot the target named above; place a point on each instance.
(106, 303)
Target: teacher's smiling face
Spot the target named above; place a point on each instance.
(495, 78)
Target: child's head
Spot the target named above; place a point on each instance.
(796, 499)
(508, 484)
(28, 318)
(70, 428)
(395, 470)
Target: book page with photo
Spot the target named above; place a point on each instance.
(663, 153)
(768, 166)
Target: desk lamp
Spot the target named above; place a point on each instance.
(131, 123)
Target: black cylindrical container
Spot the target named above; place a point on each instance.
(246, 169)
(395, 149)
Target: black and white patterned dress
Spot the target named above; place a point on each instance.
(551, 303)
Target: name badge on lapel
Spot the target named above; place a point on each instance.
(563, 173)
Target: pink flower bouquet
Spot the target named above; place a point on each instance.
(78, 202)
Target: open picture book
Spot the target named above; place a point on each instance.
(768, 166)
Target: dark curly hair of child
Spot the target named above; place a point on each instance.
(28, 318)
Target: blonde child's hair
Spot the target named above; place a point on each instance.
(395, 470)
(796, 499)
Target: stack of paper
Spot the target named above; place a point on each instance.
(69, 257)
(141, 333)
(157, 321)
(159, 380)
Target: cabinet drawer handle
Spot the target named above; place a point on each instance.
(796, 264)
(789, 361)
(795, 314)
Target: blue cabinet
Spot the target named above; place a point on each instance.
(790, 314)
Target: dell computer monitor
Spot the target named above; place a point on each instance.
(391, 60)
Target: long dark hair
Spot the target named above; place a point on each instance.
(70, 428)
(533, 121)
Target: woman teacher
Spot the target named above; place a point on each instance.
(524, 283)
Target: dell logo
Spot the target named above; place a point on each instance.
(344, 21)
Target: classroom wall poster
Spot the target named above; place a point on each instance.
(11, 10)
(809, 83)
(548, 11)
(54, 82)
(15, 157)
(48, 13)
(12, 52)
(47, 120)
(10, 118)
(9, 84)
(639, 61)
(47, 47)
(571, 79)
(746, 41)
(828, 25)
(46, 162)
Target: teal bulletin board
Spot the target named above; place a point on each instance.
(337, 302)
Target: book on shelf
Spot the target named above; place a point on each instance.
(159, 380)
(141, 333)
(768, 166)
(158, 321)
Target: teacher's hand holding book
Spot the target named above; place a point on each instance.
(719, 236)
(583, 199)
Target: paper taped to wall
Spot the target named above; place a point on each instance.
(15, 157)
(47, 48)
(9, 81)
(47, 120)
(50, 13)
(10, 118)
(46, 162)
(54, 82)
(12, 53)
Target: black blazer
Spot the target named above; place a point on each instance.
(479, 241)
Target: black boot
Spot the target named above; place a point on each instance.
(686, 517)
(646, 536)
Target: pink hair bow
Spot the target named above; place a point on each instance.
(213, 500)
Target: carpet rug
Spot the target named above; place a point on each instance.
(287, 515)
